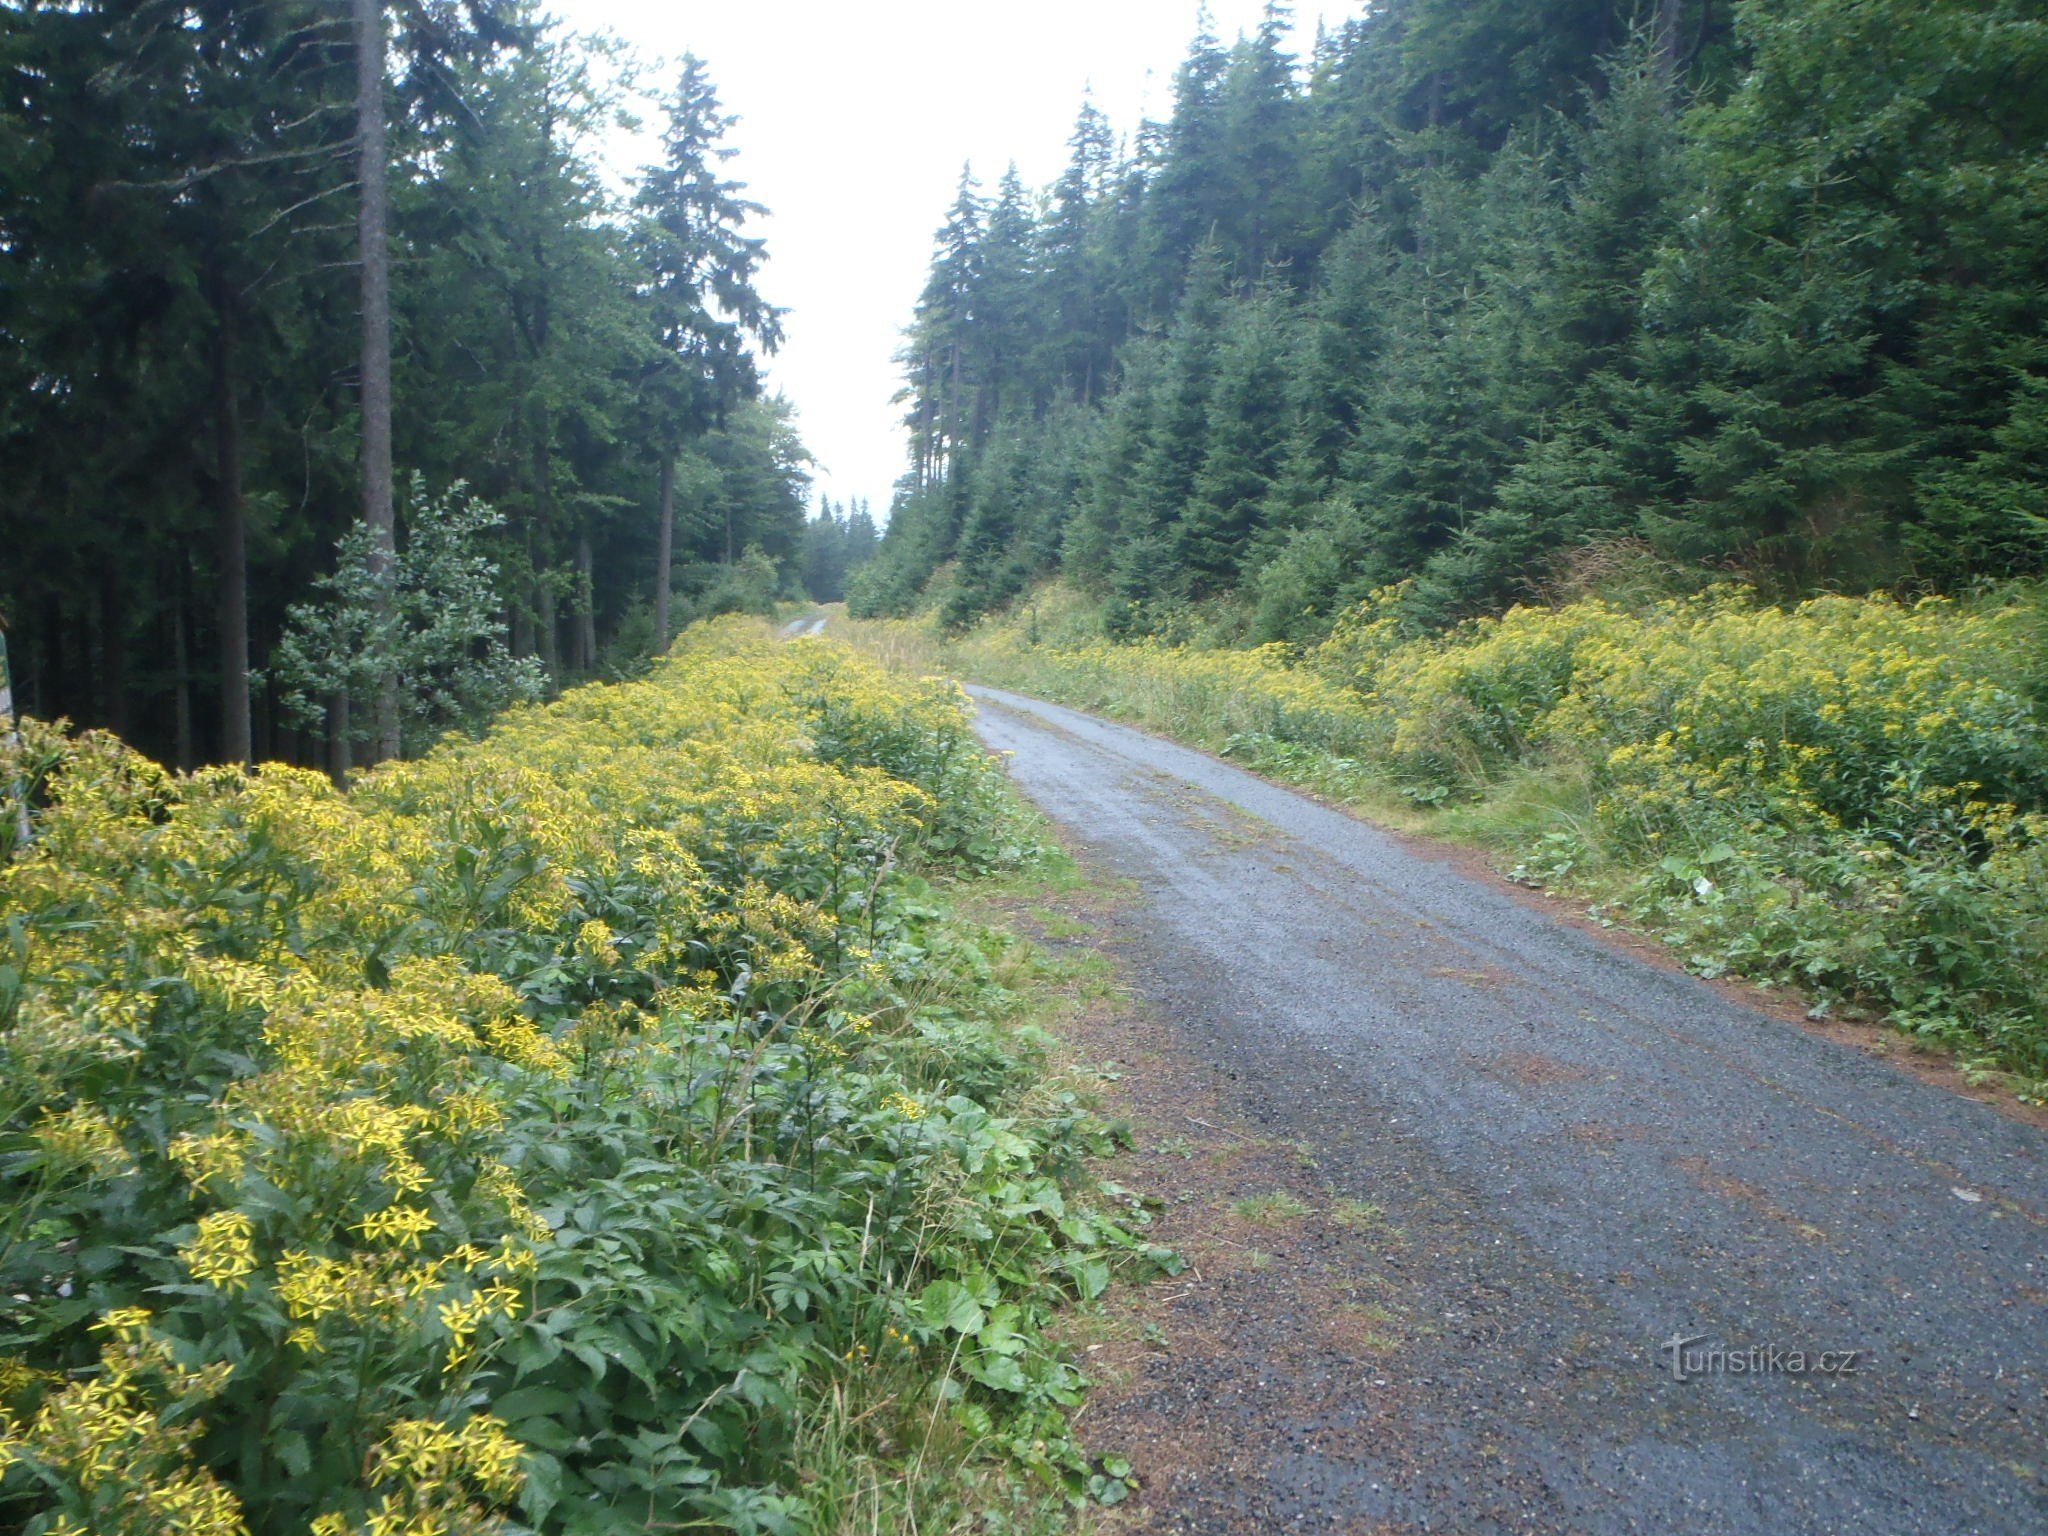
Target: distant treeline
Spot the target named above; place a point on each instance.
(838, 541)
(179, 334)
(1480, 283)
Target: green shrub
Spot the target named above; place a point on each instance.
(592, 1128)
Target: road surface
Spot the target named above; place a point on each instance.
(1597, 1156)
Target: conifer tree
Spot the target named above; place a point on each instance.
(705, 312)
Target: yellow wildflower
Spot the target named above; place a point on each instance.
(224, 1252)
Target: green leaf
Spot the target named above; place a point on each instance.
(1002, 1373)
(542, 1490)
(1091, 1277)
(947, 1304)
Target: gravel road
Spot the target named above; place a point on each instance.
(1592, 1155)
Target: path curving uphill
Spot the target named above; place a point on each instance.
(1586, 1156)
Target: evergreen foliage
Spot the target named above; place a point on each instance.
(838, 541)
(1478, 284)
(179, 419)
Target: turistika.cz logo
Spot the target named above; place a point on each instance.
(1690, 1355)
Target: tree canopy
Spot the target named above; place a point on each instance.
(1478, 285)
(179, 350)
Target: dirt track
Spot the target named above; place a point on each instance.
(1528, 1159)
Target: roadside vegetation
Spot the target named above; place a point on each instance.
(603, 1126)
(1543, 424)
(1849, 794)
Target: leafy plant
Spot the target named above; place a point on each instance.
(594, 1126)
(441, 637)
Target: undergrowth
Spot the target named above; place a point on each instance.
(600, 1127)
(1850, 794)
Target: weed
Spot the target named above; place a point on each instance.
(1850, 794)
(598, 1127)
(1270, 1210)
(1358, 1214)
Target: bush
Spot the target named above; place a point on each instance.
(1851, 793)
(558, 1132)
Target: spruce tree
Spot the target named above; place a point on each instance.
(704, 310)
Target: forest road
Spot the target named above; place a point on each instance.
(1562, 1157)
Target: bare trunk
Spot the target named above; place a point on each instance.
(547, 628)
(1436, 117)
(1670, 14)
(586, 605)
(374, 242)
(547, 617)
(111, 635)
(339, 750)
(181, 703)
(53, 662)
(17, 790)
(664, 552)
(520, 623)
(231, 526)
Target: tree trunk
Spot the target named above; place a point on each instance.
(586, 604)
(664, 552)
(111, 631)
(231, 536)
(338, 745)
(50, 689)
(519, 621)
(1670, 13)
(547, 630)
(373, 240)
(547, 616)
(181, 703)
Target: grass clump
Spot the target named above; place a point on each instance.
(1273, 1209)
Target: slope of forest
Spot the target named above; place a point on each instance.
(1478, 284)
(182, 421)
(1512, 376)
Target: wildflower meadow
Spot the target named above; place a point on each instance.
(597, 1127)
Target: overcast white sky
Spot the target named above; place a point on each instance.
(855, 119)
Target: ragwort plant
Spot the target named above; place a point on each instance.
(590, 1128)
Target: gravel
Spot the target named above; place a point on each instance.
(1588, 1155)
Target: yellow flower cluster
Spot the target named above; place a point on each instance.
(82, 1138)
(125, 1461)
(1829, 712)
(1208, 695)
(309, 999)
(1836, 712)
(904, 1105)
(1887, 757)
(439, 1472)
(463, 1318)
(224, 1252)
